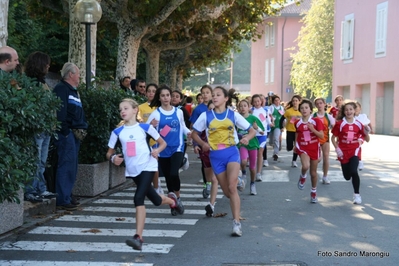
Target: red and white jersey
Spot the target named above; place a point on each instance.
(306, 141)
(334, 111)
(348, 135)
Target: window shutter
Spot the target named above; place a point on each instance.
(272, 70)
(351, 38)
(267, 71)
(381, 29)
(272, 33)
(342, 50)
(267, 37)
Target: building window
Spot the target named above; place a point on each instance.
(267, 71)
(381, 29)
(347, 37)
(267, 35)
(272, 34)
(272, 70)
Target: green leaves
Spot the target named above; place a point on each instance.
(24, 112)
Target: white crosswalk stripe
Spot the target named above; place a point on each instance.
(91, 227)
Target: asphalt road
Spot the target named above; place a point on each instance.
(280, 225)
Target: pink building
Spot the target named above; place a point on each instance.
(270, 57)
(366, 59)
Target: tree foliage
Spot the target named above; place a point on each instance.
(311, 73)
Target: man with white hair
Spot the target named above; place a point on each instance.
(73, 130)
(8, 59)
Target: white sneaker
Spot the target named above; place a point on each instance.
(325, 180)
(186, 162)
(241, 184)
(252, 189)
(259, 177)
(361, 165)
(293, 164)
(265, 163)
(357, 199)
(236, 229)
(160, 190)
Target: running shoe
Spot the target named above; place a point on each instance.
(48, 195)
(241, 184)
(173, 208)
(236, 229)
(275, 157)
(361, 166)
(357, 199)
(159, 190)
(186, 163)
(136, 242)
(206, 192)
(301, 182)
(252, 189)
(293, 164)
(32, 198)
(179, 206)
(259, 177)
(325, 180)
(210, 209)
(265, 163)
(244, 178)
(313, 198)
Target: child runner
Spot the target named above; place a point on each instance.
(339, 100)
(277, 111)
(141, 163)
(348, 136)
(307, 145)
(206, 96)
(328, 122)
(291, 115)
(251, 150)
(220, 126)
(263, 115)
(169, 122)
(144, 112)
(208, 171)
(366, 122)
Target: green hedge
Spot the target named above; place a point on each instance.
(101, 107)
(24, 112)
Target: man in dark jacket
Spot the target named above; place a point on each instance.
(73, 129)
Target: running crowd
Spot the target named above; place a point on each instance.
(229, 137)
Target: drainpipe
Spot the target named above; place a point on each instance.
(282, 59)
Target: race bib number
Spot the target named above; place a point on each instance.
(221, 146)
(165, 131)
(262, 117)
(350, 136)
(306, 135)
(131, 148)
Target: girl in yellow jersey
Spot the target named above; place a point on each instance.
(291, 115)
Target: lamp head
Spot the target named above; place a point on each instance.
(87, 11)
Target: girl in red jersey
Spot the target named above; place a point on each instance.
(309, 131)
(338, 103)
(348, 135)
(328, 122)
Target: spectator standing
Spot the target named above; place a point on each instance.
(72, 132)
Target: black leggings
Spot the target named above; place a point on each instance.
(290, 139)
(170, 167)
(349, 170)
(144, 188)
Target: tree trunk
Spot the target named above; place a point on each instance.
(3, 22)
(77, 43)
(152, 64)
(180, 79)
(128, 49)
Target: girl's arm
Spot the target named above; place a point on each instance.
(246, 138)
(204, 145)
(161, 146)
(318, 133)
(116, 159)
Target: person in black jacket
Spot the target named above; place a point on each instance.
(73, 129)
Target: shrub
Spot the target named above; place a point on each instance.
(24, 112)
(101, 107)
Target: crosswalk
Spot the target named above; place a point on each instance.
(103, 226)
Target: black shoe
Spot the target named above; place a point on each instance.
(32, 198)
(48, 195)
(275, 157)
(67, 207)
(136, 242)
(75, 202)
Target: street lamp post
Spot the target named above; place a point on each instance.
(88, 12)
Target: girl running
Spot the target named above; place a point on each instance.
(348, 136)
(141, 163)
(277, 111)
(249, 151)
(170, 125)
(328, 122)
(291, 115)
(339, 100)
(366, 122)
(307, 145)
(263, 115)
(220, 124)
